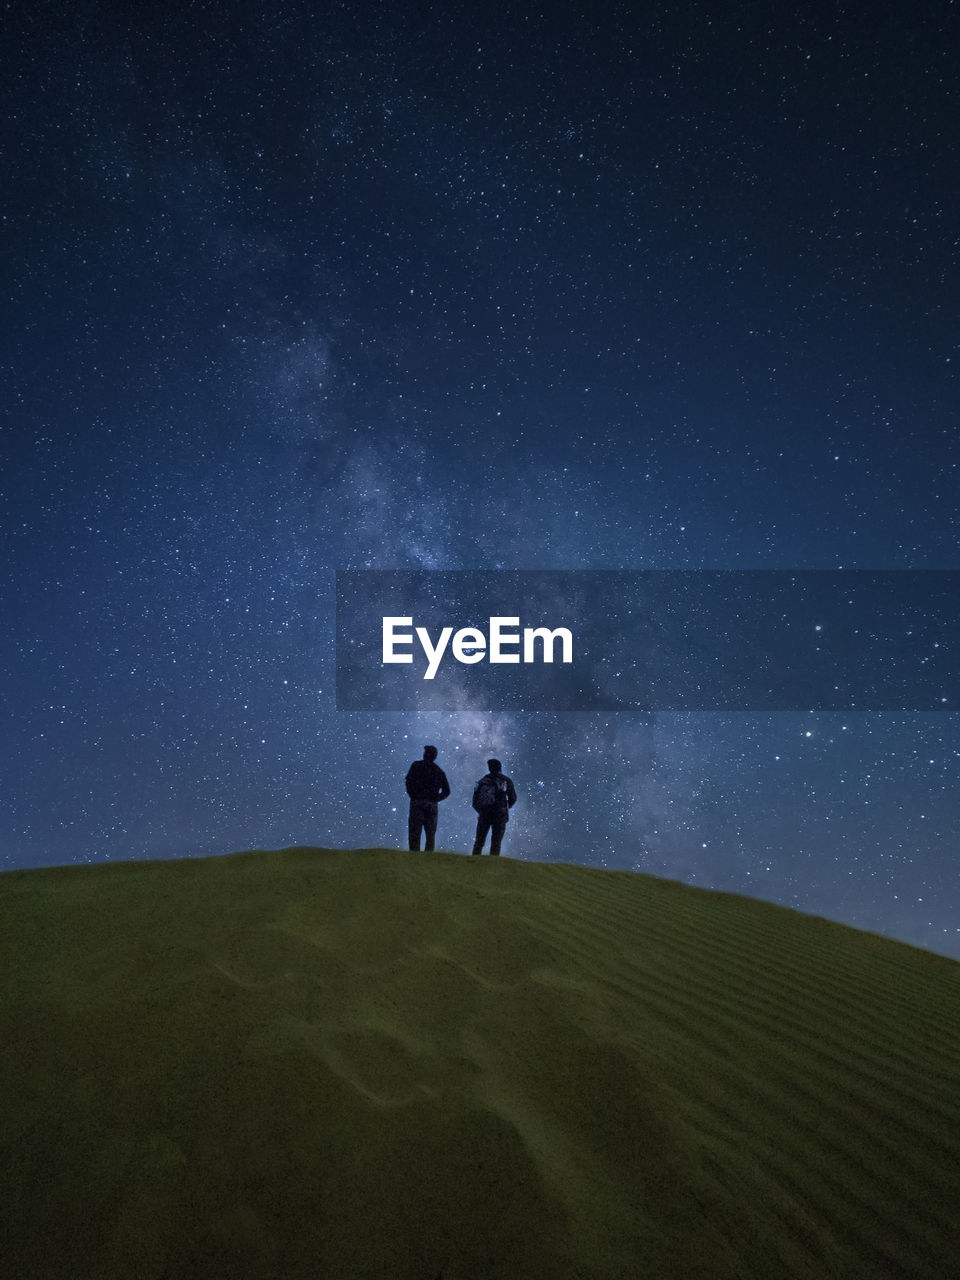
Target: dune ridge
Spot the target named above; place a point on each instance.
(325, 1063)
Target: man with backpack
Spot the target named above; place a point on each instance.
(426, 786)
(493, 798)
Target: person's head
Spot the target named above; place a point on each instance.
(429, 753)
(494, 766)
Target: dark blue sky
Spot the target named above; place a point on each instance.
(295, 288)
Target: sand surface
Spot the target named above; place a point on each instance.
(398, 1066)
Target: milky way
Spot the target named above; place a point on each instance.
(294, 289)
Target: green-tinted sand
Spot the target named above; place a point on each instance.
(398, 1066)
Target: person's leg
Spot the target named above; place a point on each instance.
(414, 825)
(483, 826)
(429, 826)
(499, 825)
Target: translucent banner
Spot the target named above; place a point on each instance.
(648, 640)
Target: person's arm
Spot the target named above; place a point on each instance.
(511, 794)
(444, 786)
(407, 781)
(476, 792)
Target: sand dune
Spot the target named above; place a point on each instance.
(394, 1066)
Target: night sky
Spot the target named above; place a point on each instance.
(294, 288)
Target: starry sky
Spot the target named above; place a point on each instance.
(294, 288)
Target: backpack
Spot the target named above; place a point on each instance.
(491, 791)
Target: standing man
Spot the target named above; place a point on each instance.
(493, 798)
(426, 786)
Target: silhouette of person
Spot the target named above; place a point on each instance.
(493, 798)
(426, 786)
